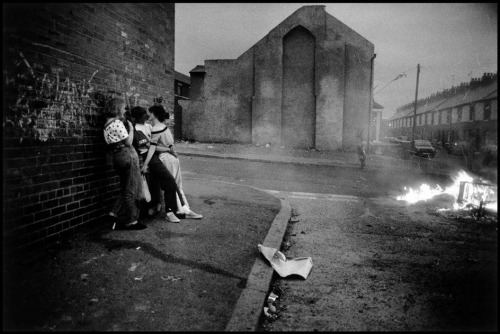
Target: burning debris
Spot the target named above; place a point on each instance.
(468, 193)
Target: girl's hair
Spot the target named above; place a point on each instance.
(137, 113)
(113, 106)
(159, 112)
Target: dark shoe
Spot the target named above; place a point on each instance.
(180, 215)
(137, 226)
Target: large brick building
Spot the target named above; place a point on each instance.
(467, 113)
(307, 83)
(62, 62)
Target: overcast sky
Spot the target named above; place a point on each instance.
(452, 42)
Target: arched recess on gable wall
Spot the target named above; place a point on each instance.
(298, 108)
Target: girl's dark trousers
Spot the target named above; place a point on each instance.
(160, 178)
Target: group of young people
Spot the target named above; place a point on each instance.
(144, 147)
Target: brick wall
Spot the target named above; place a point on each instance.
(62, 62)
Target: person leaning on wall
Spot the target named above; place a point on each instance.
(119, 135)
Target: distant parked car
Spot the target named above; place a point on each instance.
(402, 138)
(423, 148)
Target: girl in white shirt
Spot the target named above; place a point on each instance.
(162, 138)
(126, 210)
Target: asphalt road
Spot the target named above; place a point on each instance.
(379, 264)
(304, 178)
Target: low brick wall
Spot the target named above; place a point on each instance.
(52, 187)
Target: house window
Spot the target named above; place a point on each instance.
(487, 111)
(433, 115)
(459, 114)
(179, 89)
(440, 117)
(448, 116)
(472, 112)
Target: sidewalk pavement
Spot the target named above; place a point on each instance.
(443, 164)
(168, 277)
(384, 265)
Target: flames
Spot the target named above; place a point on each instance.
(465, 190)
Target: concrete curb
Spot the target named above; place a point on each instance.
(248, 309)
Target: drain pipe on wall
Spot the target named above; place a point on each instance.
(370, 105)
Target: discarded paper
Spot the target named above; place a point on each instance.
(272, 298)
(299, 266)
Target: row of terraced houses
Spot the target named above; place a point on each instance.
(467, 113)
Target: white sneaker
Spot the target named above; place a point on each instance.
(193, 215)
(172, 218)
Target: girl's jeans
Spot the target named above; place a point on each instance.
(127, 205)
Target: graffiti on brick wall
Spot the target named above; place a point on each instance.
(40, 102)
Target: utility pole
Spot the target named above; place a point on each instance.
(370, 104)
(415, 109)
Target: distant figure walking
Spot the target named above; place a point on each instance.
(361, 149)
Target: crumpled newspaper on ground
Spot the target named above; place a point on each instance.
(299, 266)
